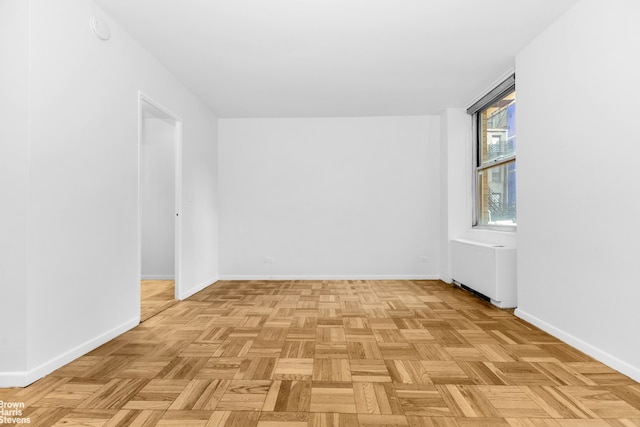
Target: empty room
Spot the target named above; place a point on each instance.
(303, 213)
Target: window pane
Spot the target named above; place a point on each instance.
(498, 129)
(497, 195)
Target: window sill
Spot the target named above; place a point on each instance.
(509, 229)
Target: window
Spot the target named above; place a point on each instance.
(494, 169)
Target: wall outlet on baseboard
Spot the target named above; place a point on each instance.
(424, 259)
(269, 260)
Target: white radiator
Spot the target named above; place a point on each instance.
(487, 269)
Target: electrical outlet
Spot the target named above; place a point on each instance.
(424, 259)
(268, 260)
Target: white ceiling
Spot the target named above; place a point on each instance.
(316, 58)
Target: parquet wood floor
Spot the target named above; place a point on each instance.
(156, 296)
(333, 353)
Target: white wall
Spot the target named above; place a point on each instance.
(329, 197)
(445, 271)
(14, 33)
(455, 169)
(578, 175)
(83, 257)
(157, 183)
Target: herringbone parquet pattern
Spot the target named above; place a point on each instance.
(333, 353)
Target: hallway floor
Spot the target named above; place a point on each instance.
(333, 353)
(155, 297)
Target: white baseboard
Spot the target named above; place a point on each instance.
(328, 277)
(158, 277)
(621, 366)
(184, 294)
(13, 379)
(24, 378)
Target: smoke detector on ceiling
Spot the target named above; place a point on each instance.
(100, 28)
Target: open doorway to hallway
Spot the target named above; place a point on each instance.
(155, 297)
(159, 151)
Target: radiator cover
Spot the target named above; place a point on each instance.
(487, 269)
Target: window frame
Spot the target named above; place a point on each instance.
(501, 90)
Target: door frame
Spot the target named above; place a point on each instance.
(147, 105)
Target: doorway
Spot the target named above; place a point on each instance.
(159, 208)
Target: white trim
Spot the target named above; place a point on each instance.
(176, 122)
(24, 378)
(329, 277)
(158, 277)
(184, 294)
(178, 209)
(619, 365)
(13, 379)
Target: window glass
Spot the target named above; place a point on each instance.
(496, 162)
(497, 195)
(498, 129)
